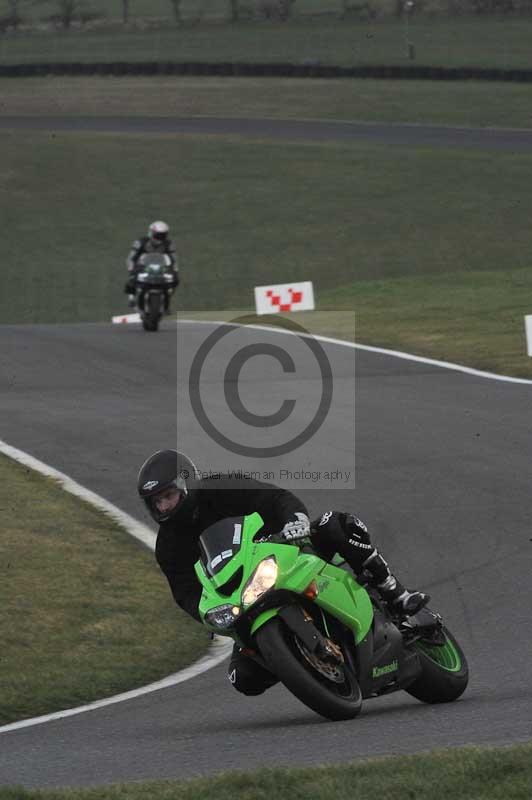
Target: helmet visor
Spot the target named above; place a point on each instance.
(159, 236)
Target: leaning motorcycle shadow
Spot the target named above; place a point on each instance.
(166, 328)
(380, 709)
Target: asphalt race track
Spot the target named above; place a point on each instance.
(443, 479)
(407, 135)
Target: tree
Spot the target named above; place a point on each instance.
(13, 18)
(234, 10)
(176, 7)
(67, 9)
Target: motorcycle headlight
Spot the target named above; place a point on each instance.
(222, 616)
(262, 579)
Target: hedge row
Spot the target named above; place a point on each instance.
(416, 72)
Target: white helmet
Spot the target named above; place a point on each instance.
(158, 231)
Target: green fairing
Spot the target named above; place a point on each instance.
(264, 617)
(338, 592)
(344, 598)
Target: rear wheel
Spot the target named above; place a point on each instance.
(331, 690)
(445, 673)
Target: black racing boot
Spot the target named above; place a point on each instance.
(397, 598)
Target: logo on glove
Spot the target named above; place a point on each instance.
(297, 529)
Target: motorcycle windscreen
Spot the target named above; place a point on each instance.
(220, 542)
(155, 262)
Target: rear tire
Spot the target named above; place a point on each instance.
(445, 673)
(283, 656)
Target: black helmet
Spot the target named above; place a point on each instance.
(168, 469)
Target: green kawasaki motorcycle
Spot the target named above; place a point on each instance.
(327, 636)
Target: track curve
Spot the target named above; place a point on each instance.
(443, 480)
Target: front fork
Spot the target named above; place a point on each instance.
(141, 294)
(302, 624)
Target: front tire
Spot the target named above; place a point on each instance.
(445, 673)
(152, 312)
(284, 656)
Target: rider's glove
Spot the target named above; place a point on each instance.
(297, 528)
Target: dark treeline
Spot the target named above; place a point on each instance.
(66, 14)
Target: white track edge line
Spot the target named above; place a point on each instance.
(219, 648)
(369, 348)
(218, 651)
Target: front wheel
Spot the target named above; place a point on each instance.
(444, 671)
(329, 690)
(152, 311)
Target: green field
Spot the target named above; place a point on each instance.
(336, 214)
(463, 774)
(463, 41)
(461, 103)
(86, 613)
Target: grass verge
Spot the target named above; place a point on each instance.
(460, 103)
(472, 318)
(451, 42)
(475, 319)
(85, 612)
(464, 774)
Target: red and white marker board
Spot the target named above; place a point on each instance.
(284, 297)
(125, 318)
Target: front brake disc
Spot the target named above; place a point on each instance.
(333, 672)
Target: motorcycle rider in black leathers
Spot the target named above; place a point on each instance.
(184, 505)
(157, 241)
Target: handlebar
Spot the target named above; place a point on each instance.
(278, 538)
